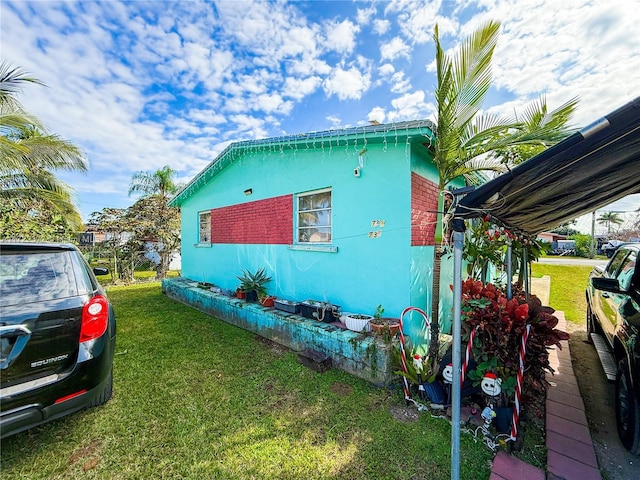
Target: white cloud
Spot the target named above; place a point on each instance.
(273, 103)
(377, 114)
(248, 127)
(400, 83)
(541, 52)
(341, 36)
(364, 15)
(347, 84)
(381, 26)
(298, 88)
(409, 107)
(386, 70)
(334, 120)
(394, 49)
(416, 19)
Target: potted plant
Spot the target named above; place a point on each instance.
(356, 322)
(499, 325)
(288, 306)
(267, 300)
(253, 284)
(385, 326)
(321, 311)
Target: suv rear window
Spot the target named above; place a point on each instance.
(36, 276)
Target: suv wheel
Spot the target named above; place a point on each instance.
(627, 410)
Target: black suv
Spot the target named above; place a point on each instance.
(57, 335)
(613, 314)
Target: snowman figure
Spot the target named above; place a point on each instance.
(491, 385)
(447, 373)
(417, 363)
(419, 366)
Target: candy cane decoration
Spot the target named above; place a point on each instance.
(467, 355)
(403, 355)
(516, 407)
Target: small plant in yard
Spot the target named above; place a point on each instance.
(501, 324)
(254, 282)
(384, 326)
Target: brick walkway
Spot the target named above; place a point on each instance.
(570, 454)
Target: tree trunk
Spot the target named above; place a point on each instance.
(163, 266)
(434, 344)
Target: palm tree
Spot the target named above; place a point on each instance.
(28, 154)
(161, 182)
(153, 215)
(464, 138)
(608, 218)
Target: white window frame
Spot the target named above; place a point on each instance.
(205, 214)
(299, 196)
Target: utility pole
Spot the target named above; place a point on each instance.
(593, 235)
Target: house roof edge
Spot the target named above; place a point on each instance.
(400, 129)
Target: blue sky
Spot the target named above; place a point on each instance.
(142, 84)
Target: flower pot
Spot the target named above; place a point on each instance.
(321, 311)
(357, 322)
(240, 294)
(251, 296)
(382, 326)
(286, 305)
(267, 301)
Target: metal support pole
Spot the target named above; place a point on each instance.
(458, 241)
(525, 266)
(509, 271)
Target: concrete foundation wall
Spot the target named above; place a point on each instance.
(365, 356)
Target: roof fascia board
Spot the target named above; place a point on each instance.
(406, 131)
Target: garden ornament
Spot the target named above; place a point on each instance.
(447, 373)
(491, 384)
(417, 364)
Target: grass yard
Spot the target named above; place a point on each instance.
(196, 398)
(568, 285)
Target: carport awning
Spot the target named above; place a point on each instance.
(590, 169)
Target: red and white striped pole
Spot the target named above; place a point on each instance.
(467, 354)
(519, 377)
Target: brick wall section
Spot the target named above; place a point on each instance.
(268, 221)
(424, 204)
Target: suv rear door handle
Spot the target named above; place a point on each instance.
(23, 335)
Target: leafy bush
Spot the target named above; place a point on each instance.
(582, 244)
(500, 324)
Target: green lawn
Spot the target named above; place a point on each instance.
(197, 398)
(568, 285)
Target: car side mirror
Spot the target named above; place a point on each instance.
(100, 271)
(606, 284)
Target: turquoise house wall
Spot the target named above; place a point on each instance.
(363, 273)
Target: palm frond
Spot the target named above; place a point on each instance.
(12, 80)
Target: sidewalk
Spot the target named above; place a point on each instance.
(570, 452)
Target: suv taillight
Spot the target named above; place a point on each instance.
(95, 317)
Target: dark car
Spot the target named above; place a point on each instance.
(610, 247)
(613, 315)
(57, 335)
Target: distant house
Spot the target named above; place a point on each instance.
(551, 237)
(346, 216)
(91, 238)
